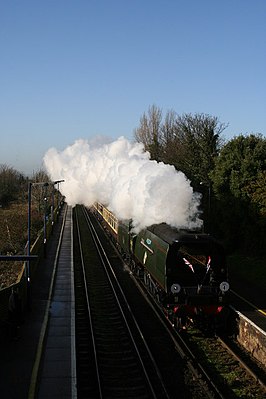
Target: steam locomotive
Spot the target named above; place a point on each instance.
(185, 271)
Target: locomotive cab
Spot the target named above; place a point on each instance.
(196, 269)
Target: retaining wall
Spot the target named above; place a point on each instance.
(252, 338)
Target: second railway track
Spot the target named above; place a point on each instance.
(113, 360)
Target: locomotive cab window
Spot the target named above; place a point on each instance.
(193, 256)
(188, 263)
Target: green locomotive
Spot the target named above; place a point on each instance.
(185, 271)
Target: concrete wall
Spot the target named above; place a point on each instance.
(252, 338)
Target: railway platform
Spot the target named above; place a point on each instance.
(249, 301)
(38, 362)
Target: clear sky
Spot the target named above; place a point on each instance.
(73, 69)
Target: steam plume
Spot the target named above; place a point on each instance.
(121, 175)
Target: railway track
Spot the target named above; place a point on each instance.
(113, 359)
(251, 366)
(227, 369)
(235, 373)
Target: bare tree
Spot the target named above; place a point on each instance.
(189, 142)
(168, 135)
(42, 192)
(11, 182)
(149, 131)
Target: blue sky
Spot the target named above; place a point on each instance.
(76, 69)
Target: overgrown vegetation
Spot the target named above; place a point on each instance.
(14, 208)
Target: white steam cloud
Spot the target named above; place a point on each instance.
(121, 175)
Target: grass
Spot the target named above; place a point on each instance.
(14, 227)
(13, 238)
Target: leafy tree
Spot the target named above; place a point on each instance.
(239, 166)
(239, 185)
(256, 191)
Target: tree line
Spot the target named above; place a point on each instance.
(14, 185)
(231, 175)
